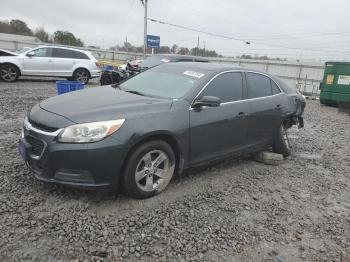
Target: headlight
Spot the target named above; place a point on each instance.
(89, 132)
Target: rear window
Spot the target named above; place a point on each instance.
(63, 53)
(258, 85)
(275, 89)
(80, 55)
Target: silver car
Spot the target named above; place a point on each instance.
(55, 61)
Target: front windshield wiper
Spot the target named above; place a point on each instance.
(135, 92)
(117, 86)
(129, 91)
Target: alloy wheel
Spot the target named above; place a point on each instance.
(82, 76)
(8, 74)
(154, 171)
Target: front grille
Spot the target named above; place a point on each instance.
(43, 127)
(37, 145)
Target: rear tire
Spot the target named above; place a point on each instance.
(9, 73)
(281, 144)
(149, 169)
(81, 75)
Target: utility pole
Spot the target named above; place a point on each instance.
(144, 3)
(197, 46)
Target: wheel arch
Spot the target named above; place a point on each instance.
(81, 67)
(165, 136)
(13, 64)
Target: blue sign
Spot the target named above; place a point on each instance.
(153, 41)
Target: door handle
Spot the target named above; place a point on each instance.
(240, 115)
(278, 107)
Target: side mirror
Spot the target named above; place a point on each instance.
(30, 54)
(210, 101)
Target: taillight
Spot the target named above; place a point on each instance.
(97, 64)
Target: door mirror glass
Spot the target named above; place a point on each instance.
(30, 54)
(210, 101)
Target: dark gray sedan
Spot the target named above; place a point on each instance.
(138, 134)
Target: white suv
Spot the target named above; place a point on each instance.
(55, 61)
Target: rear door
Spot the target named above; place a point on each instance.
(219, 131)
(267, 105)
(41, 63)
(64, 61)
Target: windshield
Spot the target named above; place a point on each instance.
(160, 84)
(153, 61)
(23, 50)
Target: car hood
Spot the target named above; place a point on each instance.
(102, 103)
(7, 53)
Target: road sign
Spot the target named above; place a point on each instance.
(153, 41)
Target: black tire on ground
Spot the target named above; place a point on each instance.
(106, 79)
(137, 168)
(9, 73)
(281, 144)
(110, 77)
(81, 75)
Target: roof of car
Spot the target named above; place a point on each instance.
(198, 58)
(64, 47)
(214, 67)
(207, 66)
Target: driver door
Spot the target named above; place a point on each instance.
(38, 62)
(219, 131)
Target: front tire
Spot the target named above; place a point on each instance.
(149, 169)
(81, 75)
(9, 73)
(281, 144)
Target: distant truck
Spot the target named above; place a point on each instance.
(335, 87)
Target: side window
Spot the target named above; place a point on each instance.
(80, 55)
(228, 87)
(275, 89)
(258, 85)
(42, 52)
(63, 53)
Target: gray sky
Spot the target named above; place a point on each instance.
(320, 28)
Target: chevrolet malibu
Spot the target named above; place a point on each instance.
(138, 134)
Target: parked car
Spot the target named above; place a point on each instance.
(134, 64)
(54, 61)
(169, 118)
(159, 59)
(109, 77)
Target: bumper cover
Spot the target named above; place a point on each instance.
(92, 165)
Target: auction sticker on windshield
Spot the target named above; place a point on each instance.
(194, 74)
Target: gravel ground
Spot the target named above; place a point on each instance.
(240, 210)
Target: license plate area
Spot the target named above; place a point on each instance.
(23, 149)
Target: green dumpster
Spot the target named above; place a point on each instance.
(335, 87)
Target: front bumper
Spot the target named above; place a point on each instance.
(92, 165)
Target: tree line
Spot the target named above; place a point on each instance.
(18, 27)
(174, 49)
